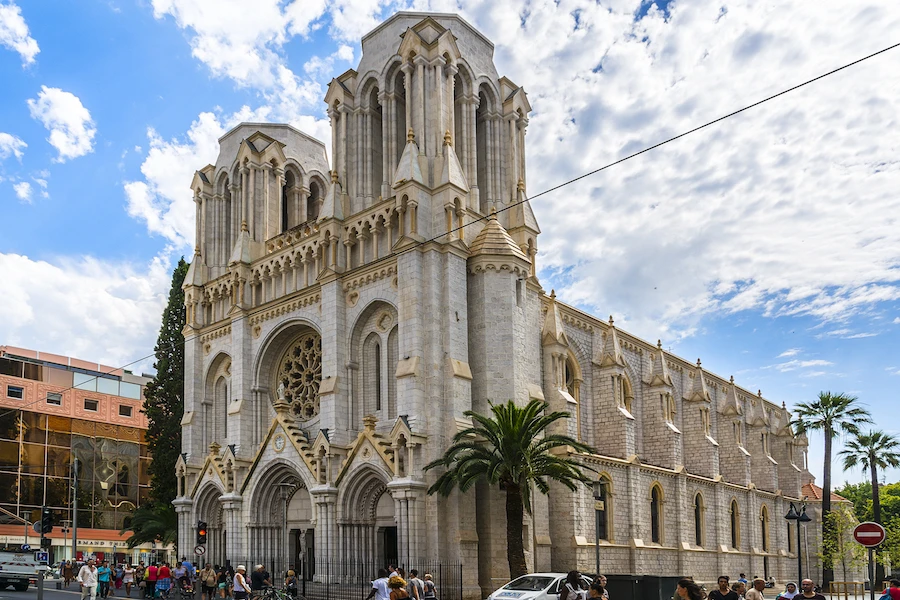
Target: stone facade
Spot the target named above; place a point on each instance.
(343, 317)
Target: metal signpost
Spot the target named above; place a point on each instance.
(870, 534)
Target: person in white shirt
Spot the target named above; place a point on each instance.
(87, 578)
(380, 589)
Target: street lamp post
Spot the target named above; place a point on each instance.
(800, 517)
(599, 507)
(74, 509)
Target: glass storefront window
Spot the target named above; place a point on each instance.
(59, 462)
(9, 425)
(129, 390)
(9, 488)
(9, 456)
(31, 490)
(34, 427)
(85, 382)
(58, 491)
(33, 459)
(108, 386)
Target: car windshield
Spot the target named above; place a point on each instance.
(529, 583)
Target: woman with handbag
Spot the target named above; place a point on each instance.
(241, 587)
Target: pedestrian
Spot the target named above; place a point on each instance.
(103, 574)
(380, 589)
(397, 586)
(128, 579)
(596, 590)
(241, 587)
(150, 578)
(120, 575)
(208, 582)
(573, 589)
(743, 579)
(689, 590)
(756, 592)
(68, 573)
(189, 567)
(430, 589)
(222, 582)
(164, 580)
(416, 587)
(809, 591)
(259, 581)
(290, 583)
(87, 580)
(739, 588)
(601, 581)
(724, 592)
(790, 590)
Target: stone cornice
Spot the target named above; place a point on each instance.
(282, 306)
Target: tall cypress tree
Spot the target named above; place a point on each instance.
(164, 396)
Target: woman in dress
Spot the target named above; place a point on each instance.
(128, 579)
(68, 573)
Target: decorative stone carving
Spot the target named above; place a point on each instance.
(300, 375)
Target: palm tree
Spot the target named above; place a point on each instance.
(511, 449)
(152, 523)
(874, 450)
(832, 414)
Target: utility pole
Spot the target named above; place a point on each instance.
(74, 508)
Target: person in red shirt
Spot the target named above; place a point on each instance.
(894, 590)
(150, 578)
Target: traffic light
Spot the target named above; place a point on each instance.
(46, 520)
(201, 532)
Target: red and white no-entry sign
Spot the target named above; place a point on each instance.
(869, 534)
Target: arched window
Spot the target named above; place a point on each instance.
(790, 540)
(286, 191)
(735, 525)
(603, 506)
(377, 376)
(764, 527)
(375, 168)
(698, 520)
(312, 203)
(220, 408)
(656, 514)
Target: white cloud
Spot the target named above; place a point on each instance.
(84, 307)
(70, 125)
(858, 336)
(324, 67)
(14, 33)
(896, 321)
(42, 183)
(789, 352)
(11, 145)
(23, 191)
(793, 365)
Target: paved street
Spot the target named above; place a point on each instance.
(51, 593)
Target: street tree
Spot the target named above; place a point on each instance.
(513, 449)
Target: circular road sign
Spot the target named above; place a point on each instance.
(869, 534)
(200, 550)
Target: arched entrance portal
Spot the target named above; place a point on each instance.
(281, 531)
(368, 529)
(209, 509)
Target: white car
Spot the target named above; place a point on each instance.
(535, 586)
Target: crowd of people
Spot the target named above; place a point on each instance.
(393, 584)
(97, 579)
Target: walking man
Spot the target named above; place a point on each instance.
(724, 592)
(809, 590)
(87, 579)
(380, 590)
(756, 592)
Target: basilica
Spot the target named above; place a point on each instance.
(347, 305)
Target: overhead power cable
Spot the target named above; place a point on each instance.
(393, 254)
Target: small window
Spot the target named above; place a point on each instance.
(124, 410)
(91, 405)
(15, 392)
(54, 398)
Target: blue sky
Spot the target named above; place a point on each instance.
(768, 246)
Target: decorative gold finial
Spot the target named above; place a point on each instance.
(493, 215)
(196, 250)
(659, 344)
(448, 140)
(520, 185)
(369, 422)
(244, 225)
(553, 294)
(214, 448)
(410, 135)
(334, 176)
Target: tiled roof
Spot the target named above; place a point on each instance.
(814, 492)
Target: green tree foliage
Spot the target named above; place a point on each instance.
(511, 449)
(832, 414)
(840, 548)
(152, 523)
(164, 396)
(164, 407)
(873, 451)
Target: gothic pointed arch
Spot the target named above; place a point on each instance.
(214, 404)
(373, 349)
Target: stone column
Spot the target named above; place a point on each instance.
(333, 115)
(420, 128)
(387, 132)
(281, 197)
(183, 510)
(236, 540)
(199, 227)
(407, 84)
(450, 72)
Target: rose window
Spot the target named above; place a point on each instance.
(300, 374)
